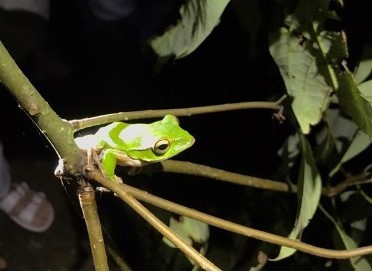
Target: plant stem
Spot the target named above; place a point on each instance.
(243, 230)
(182, 167)
(125, 116)
(189, 168)
(121, 192)
(89, 207)
(114, 254)
(59, 132)
(127, 193)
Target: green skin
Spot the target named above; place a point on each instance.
(136, 144)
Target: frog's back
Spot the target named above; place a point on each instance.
(110, 134)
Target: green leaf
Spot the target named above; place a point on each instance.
(191, 231)
(364, 68)
(357, 263)
(344, 241)
(304, 52)
(198, 231)
(308, 196)
(360, 142)
(353, 102)
(179, 230)
(365, 89)
(342, 128)
(325, 148)
(198, 19)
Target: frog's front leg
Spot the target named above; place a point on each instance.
(108, 164)
(111, 157)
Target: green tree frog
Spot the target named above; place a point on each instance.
(136, 144)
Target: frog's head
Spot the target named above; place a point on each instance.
(157, 141)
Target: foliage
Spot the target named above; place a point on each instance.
(197, 20)
(311, 58)
(329, 110)
(309, 191)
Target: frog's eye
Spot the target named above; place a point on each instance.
(161, 147)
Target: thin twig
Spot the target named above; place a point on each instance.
(153, 220)
(243, 230)
(123, 266)
(143, 114)
(360, 179)
(189, 168)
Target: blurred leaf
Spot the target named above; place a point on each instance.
(342, 127)
(358, 230)
(198, 231)
(364, 68)
(289, 151)
(304, 52)
(334, 138)
(178, 228)
(344, 241)
(355, 105)
(308, 194)
(191, 231)
(198, 19)
(354, 213)
(326, 144)
(356, 263)
(366, 90)
(360, 142)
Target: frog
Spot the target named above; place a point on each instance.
(136, 144)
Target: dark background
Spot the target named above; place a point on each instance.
(84, 71)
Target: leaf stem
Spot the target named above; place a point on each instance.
(125, 116)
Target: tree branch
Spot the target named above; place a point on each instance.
(58, 132)
(89, 207)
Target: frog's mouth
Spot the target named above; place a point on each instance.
(182, 148)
